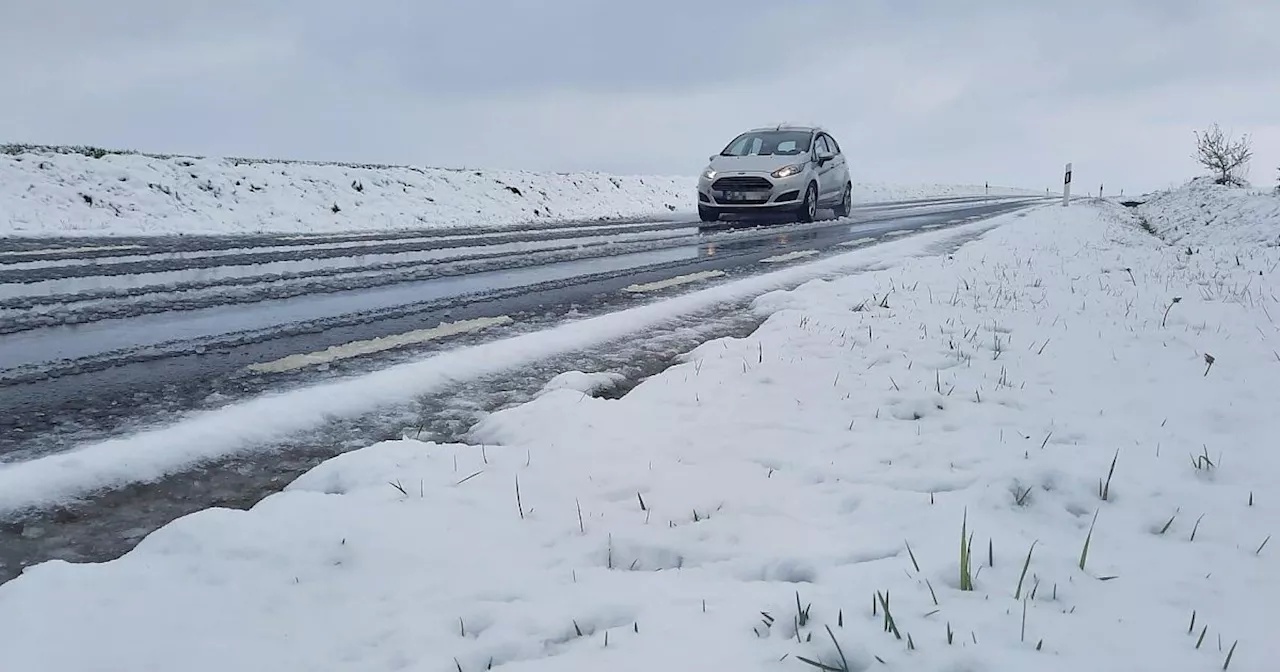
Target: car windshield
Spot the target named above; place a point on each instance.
(767, 143)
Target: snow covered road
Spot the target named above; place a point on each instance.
(71, 387)
(225, 304)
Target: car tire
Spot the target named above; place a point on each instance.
(809, 206)
(708, 214)
(846, 202)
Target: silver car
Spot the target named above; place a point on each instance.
(790, 169)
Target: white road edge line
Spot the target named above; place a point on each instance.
(672, 282)
(858, 241)
(790, 256)
(899, 232)
(380, 344)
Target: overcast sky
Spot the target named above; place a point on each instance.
(915, 90)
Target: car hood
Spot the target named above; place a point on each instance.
(754, 164)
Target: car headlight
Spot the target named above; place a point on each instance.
(788, 171)
(709, 174)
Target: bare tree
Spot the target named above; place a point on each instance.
(1222, 155)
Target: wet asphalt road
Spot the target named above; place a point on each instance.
(94, 332)
(101, 337)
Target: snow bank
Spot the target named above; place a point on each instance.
(1109, 452)
(44, 192)
(57, 194)
(1204, 213)
(879, 192)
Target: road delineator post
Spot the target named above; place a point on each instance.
(1066, 187)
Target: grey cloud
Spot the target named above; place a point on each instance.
(580, 45)
(918, 89)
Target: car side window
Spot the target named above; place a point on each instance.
(820, 145)
(835, 147)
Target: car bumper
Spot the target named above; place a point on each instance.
(751, 191)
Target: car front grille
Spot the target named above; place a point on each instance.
(744, 183)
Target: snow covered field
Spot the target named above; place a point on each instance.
(1085, 410)
(53, 194)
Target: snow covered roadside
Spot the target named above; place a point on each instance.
(1039, 389)
(1204, 213)
(52, 194)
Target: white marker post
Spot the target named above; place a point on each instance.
(1066, 186)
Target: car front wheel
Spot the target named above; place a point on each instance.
(809, 208)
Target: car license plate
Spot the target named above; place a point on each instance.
(742, 196)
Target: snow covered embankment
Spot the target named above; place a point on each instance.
(48, 193)
(54, 194)
(1204, 213)
(1091, 408)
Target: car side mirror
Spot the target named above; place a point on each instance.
(712, 157)
(824, 157)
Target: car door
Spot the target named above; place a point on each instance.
(827, 177)
(840, 174)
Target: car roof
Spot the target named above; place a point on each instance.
(789, 127)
